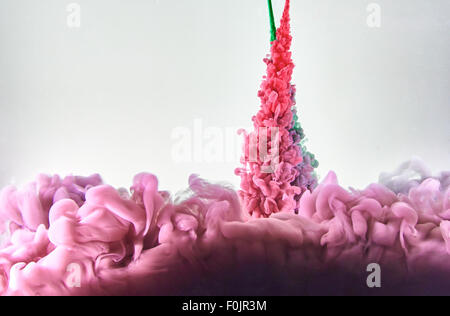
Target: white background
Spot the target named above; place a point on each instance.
(106, 97)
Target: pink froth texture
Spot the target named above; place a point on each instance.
(144, 243)
(264, 193)
(279, 234)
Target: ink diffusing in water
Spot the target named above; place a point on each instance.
(281, 233)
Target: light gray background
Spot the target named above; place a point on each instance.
(106, 97)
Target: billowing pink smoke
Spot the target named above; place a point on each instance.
(277, 169)
(78, 236)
